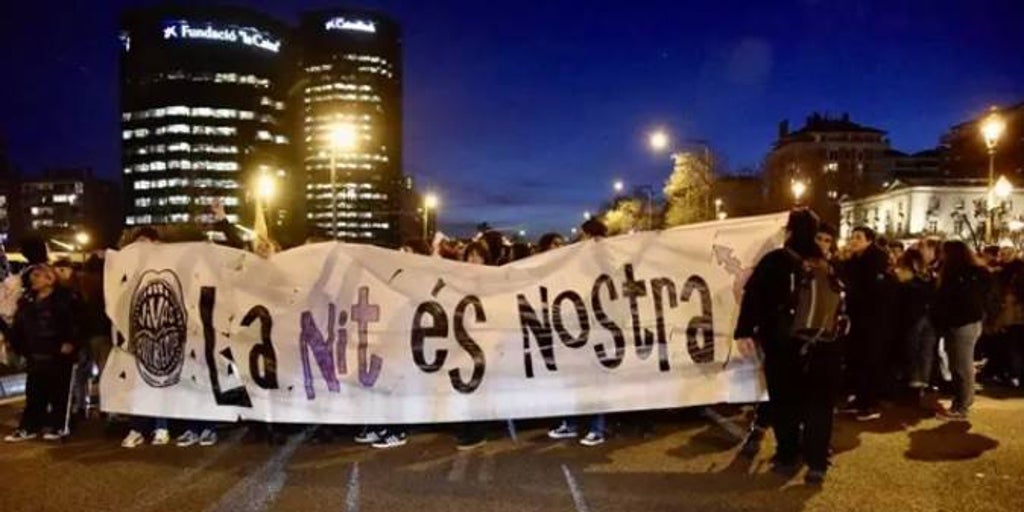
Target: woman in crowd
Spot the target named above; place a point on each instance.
(957, 314)
(917, 289)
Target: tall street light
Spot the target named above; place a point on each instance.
(619, 186)
(658, 140)
(430, 202)
(265, 189)
(341, 137)
(992, 129)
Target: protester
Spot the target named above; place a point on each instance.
(471, 433)
(550, 241)
(592, 229)
(957, 314)
(870, 294)
(920, 342)
(791, 309)
(44, 332)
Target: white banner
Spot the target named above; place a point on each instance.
(337, 333)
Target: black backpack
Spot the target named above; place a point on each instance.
(818, 306)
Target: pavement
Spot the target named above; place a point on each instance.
(904, 462)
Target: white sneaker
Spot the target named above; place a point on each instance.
(368, 436)
(592, 439)
(186, 439)
(133, 439)
(52, 436)
(563, 431)
(208, 437)
(19, 435)
(161, 437)
(392, 440)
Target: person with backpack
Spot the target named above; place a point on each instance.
(792, 309)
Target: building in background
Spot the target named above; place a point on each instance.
(63, 203)
(739, 195)
(8, 195)
(966, 155)
(833, 157)
(351, 125)
(203, 114)
(945, 207)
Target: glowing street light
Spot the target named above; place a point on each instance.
(619, 186)
(82, 238)
(340, 137)
(992, 129)
(522, 233)
(658, 140)
(1003, 188)
(265, 187)
(587, 215)
(430, 202)
(799, 188)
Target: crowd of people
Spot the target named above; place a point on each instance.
(838, 329)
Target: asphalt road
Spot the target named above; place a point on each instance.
(904, 462)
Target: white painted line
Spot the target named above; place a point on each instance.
(352, 494)
(512, 431)
(257, 491)
(574, 489)
(459, 465)
(486, 469)
(727, 424)
(148, 498)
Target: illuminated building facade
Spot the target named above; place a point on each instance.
(350, 76)
(202, 113)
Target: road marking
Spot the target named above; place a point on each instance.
(258, 490)
(352, 494)
(486, 469)
(574, 489)
(459, 465)
(727, 424)
(148, 498)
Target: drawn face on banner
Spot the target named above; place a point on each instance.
(157, 328)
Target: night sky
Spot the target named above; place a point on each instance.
(523, 113)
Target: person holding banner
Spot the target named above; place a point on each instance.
(592, 229)
(792, 309)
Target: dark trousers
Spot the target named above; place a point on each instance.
(866, 365)
(801, 391)
(46, 395)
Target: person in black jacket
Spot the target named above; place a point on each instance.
(801, 377)
(917, 292)
(44, 332)
(870, 302)
(957, 314)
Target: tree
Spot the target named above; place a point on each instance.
(688, 190)
(625, 215)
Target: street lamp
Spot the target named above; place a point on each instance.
(799, 188)
(265, 187)
(619, 186)
(430, 202)
(658, 140)
(992, 129)
(587, 215)
(340, 137)
(522, 233)
(82, 238)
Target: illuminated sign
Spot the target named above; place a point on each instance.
(247, 36)
(340, 23)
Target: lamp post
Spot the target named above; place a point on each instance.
(619, 186)
(430, 202)
(992, 129)
(341, 136)
(265, 189)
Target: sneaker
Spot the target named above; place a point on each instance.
(133, 439)
(392, 440)
(752, 444)
(815, 477)
(563, 431)
(951, 415)
(52, 436)
(161, 437)
(465, 444)
(868, 414)
(208, 437)
(370, 436)
(592, 439)
(19, 435)
(186, 439)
